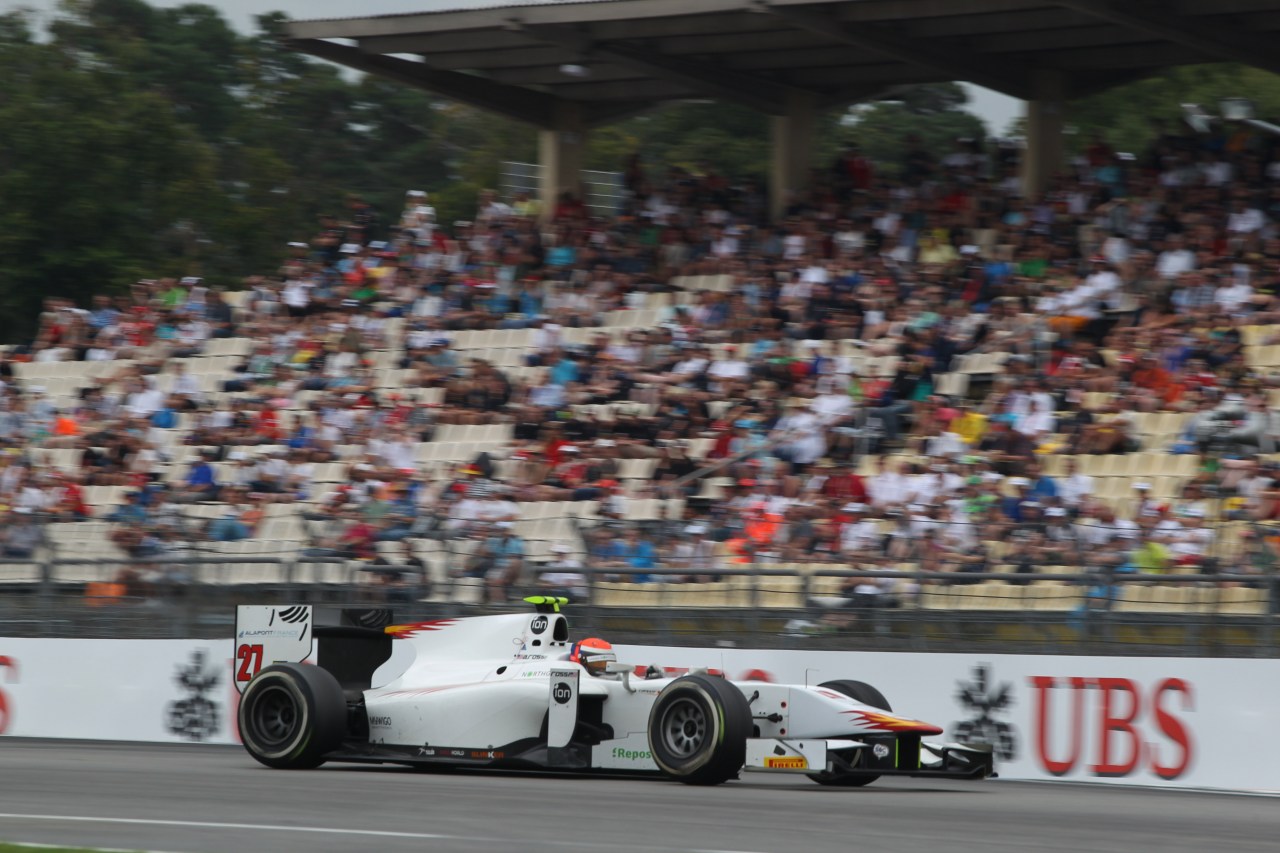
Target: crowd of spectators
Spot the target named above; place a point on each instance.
(826, 383)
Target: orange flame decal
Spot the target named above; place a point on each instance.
(402, 632)
(890, 723)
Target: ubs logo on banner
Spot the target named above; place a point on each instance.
(194, 717)
(1120, 715)
(986, 702)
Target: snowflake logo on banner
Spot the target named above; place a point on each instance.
(194, 717)
(986, 702)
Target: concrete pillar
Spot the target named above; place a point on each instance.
(792, 141)
(1046, 112)
(561, 153)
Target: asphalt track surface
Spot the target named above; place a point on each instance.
(204, 799)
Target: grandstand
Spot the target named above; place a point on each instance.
(915, 397)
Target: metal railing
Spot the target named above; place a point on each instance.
(761, 605)
(603, 192)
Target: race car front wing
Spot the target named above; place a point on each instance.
(888, 755)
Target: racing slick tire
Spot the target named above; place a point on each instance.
(862, 692)
(698, 730)
(292, 715)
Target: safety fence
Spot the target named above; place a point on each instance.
(602, 192)
(762, 605)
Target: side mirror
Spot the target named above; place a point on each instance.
(623, 671)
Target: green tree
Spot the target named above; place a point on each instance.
(933, 114)
(1129, 116)
(97, 178)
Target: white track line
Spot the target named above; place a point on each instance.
(261, 827)
(323, 830)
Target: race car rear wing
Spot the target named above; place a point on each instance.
(351, 651)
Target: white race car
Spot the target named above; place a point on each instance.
(514, 691)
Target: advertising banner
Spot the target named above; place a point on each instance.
(1176, 722)
(178, 691)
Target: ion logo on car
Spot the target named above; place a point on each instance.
(538, 625)
(561, 693)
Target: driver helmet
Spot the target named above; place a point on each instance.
(594, 654)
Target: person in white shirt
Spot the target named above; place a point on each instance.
(564, 572)
(832, 408)
(806, 442)
(296, 295)
(1176, 259)
(1107, 528)
(860, 536)
(418, 216)
(724, 244)
(397, 451)
(692, 365)
(498, 509)
(1233, 297)
(1244, 219)
(185, 384)
(547, 336)
(847, 239)
(146, 399)
(1102, 281)
(1074, 487)
(888, 487)
(1191, 543)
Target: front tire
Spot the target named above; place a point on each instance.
(292, 715)
(698, 730)
(859, 691)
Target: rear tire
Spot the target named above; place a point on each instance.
(291, 716)
(859, 691)
(698, 730)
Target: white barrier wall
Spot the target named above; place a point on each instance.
(177, 691)
(1177, 722)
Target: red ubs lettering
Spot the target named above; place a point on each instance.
(9, 667)
(1120, 748)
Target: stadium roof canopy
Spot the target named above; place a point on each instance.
(611, 58)
(570, 66)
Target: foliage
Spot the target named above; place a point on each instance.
(933, 114)
(1128, 117)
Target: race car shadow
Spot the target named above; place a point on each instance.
(897, 787)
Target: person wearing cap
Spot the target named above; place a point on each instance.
(563, 574)
(1147, 506)
(1187, 536)
(1012, 505)
(201, 482)
(418, 217)
(695, 552)
(1062, 539)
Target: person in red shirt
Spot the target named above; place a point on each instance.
(555, 445)
(844, 486)
(70, 499)
(1150, 375)
(267, 422)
